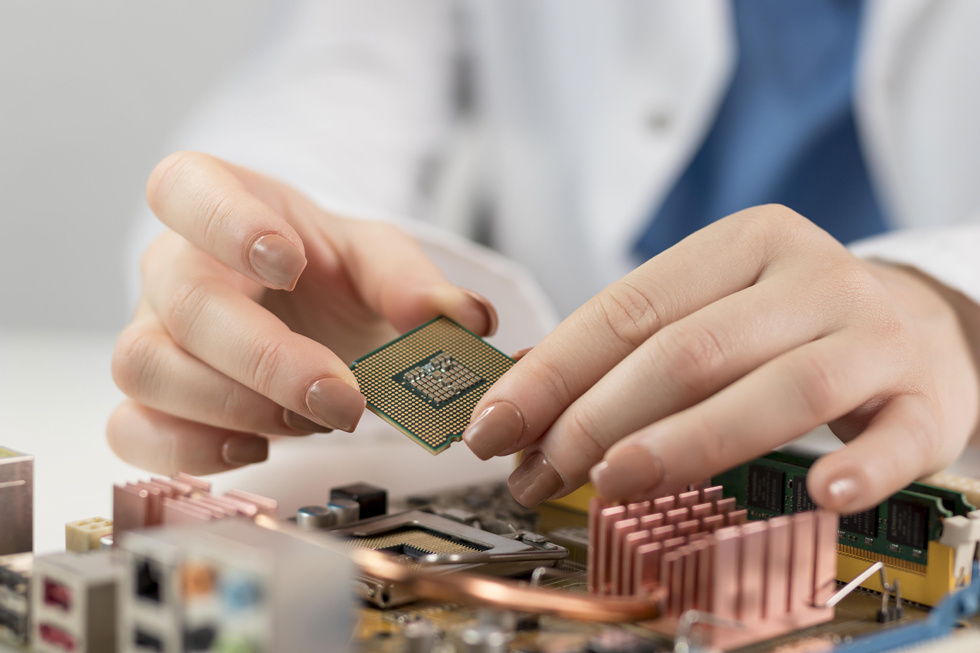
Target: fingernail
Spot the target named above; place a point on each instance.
(491, 312)
(296, 421)
(336, 404)
(842, 493)
(277, 261)
(495, 429)
(518, 355)
(627, 470)
(245, 450)
(534, 481)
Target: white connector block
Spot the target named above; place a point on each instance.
(962, 534)
(84, 535)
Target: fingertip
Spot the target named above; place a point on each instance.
(276, 261)
(165, 444)
(628, 469)
(840, 486)
(496, 428)
(302, 425)
(521, 353)
(335, 403)
(241, 450)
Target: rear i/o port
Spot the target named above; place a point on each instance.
(15, 622)
(57, 637)
(200, 639)
(147, 580)
(57, 594)
(146, 641)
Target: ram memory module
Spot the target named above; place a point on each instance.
(902, 531)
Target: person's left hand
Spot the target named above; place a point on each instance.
(749, 333)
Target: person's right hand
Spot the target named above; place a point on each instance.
(253, 304)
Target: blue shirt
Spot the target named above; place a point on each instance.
(785, 131)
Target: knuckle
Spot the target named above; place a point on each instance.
(264, 364)
(184, 307)
(924, 435)
(215, 211)
(629, 313)
(767, 229)
(547, 376)
(585, 432)
(709, 444)
(694, 355)
(818, 382)
(135, 360)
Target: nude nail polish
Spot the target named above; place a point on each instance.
(534, 481)
(296, 421)
(499, 426)
(521, 353)
(241, 450)
(627, 470)
(336, 404)
(276, 260)
(491, 312)
(843, 492)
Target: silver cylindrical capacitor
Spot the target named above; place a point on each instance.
(345, 510)
(484, 639)
(420, 637)
(315, 517)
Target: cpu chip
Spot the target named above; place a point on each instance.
(427, 382)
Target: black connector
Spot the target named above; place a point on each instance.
(200, 639)
(147, 580)
(145, 640)
(372, 499)
(15, 622)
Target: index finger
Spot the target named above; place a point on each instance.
(712, 263)
(208, 202)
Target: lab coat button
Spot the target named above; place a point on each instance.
(659, 120)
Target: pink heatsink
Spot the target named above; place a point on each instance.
(767, 576)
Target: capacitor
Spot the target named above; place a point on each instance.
(105, 542)
(420, 637)
(484, 639)
(345, 510)
(492, 633)
(315, 517)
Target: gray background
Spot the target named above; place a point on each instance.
(89, 92)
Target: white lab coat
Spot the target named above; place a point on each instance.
(588, 111)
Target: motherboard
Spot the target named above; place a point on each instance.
(744, 561)
(723, 567)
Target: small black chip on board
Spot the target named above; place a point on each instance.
(908, 523)
(864, 523)
(801, 498)
(766, 488)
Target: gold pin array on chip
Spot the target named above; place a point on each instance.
(427, 382)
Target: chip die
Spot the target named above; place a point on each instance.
(427, 382)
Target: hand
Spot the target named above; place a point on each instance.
(252, 306)
(747, 334)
